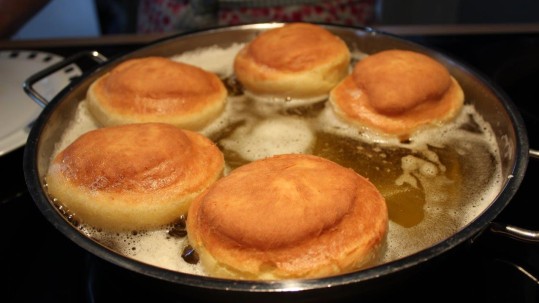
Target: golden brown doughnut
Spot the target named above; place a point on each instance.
(397, 92)
(298, 60)
(288, 216)
(133, 177)
(157, 89)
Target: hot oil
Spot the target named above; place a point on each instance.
(382, 164)
(382, 167)
(434, 184)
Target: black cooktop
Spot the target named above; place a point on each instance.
(39, 264)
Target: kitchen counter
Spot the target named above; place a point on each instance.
(402, 30)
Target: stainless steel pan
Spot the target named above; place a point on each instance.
(490, 101)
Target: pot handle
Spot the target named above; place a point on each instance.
(29, 83)
(514, 232)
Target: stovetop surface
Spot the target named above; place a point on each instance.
(40, 264)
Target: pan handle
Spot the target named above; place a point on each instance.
(29, 83)
(515, 232)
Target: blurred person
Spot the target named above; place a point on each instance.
(14, 14)
(184, 15)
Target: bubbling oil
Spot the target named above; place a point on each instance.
(434, 184)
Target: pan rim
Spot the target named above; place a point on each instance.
(477, 225)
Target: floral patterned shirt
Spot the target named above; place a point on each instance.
(183, 15)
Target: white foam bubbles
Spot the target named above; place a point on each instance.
(282, 135)
(214, 59)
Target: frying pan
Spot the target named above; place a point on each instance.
(490, 101)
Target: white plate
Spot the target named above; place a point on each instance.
(17, 110)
